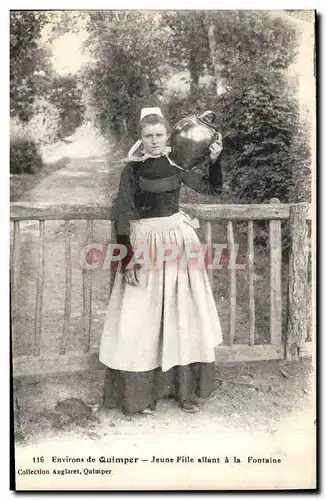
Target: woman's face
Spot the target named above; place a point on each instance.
(154, 139)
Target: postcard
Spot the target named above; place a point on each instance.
(163, 239)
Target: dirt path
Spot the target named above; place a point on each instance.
(85, 171)
(261, 396)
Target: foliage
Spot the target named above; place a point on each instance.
(127, 47)
(186, 45)
(27, 58)
(66, 96)
(244, 38)
(33, 77)
(24, 156)
(45, 123)
(300, 189)
(252, 39)
(24, 152)
(260, 120)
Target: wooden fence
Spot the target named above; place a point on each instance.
(275, 212)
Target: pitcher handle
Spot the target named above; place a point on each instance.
(203, 116)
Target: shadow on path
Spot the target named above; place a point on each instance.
(20, 185)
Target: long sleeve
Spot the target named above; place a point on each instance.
(124, 212)
(210, 184)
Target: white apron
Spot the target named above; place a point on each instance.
(170, 318)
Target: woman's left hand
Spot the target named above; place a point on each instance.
(215, 149)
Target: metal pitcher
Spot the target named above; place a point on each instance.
(191, 137)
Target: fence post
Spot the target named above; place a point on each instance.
(87, 293)
(232, 286)
(275, 243)
(14, 279)
(68, 271)
(298, 281)
(250, 246)
(39, 291)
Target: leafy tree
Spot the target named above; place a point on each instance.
(38, 95)
(43, 105)
(218, 42)
(252, 39)
(127, 48)
(27, 58)
(187, 43)
(66, 95)
(260, 120)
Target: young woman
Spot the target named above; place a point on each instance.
(162, 324)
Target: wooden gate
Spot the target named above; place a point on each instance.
(290, 343)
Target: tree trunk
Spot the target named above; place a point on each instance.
(194, 70)
(214, 57)
(298, 286)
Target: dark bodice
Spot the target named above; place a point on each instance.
(157, 188)
(151, 189)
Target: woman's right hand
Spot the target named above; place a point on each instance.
(132, 276)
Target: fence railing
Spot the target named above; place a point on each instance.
(274, 212)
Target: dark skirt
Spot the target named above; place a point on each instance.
(132, 392)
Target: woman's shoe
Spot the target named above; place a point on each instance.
(188, 406)
(150, 410)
